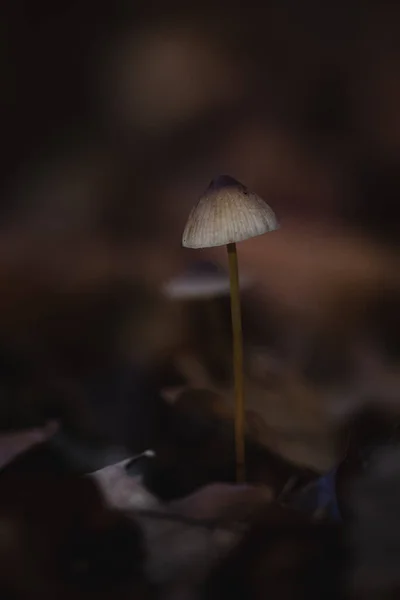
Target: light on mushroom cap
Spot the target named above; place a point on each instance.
(226, 213)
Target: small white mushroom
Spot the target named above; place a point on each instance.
(228, 213)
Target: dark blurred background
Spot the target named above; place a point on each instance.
(114, 119)
(298, 100)
(116, 116)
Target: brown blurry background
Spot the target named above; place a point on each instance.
(116, 117)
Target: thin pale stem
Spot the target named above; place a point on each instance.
(237, 363)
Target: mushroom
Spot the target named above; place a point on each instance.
(203, 280)
(201, 291)
(228, 213)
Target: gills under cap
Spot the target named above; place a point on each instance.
(227, 212)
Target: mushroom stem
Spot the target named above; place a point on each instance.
(237, 363)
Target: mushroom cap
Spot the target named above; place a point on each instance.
(227, 212)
